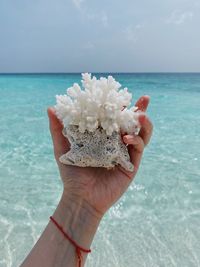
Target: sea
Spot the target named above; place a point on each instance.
(157, 221)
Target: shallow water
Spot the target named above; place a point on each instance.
(155, 224)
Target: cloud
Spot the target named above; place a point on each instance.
(132, 32)
(78, 3)
(179, 18)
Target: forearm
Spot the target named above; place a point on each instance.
(53, 249)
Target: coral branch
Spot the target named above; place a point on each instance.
(101, 103)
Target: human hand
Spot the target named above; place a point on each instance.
(99, 188)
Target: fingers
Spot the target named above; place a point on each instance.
(144, 136)
(136, 143)
(146, 125)
(143, 102)
(134, 140)
(60, 143)
(146, 128)
(135, 149)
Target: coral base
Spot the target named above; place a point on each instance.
(95, 149)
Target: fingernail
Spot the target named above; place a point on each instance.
(129, 139)
(125, 138)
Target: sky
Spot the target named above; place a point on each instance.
(99, 36)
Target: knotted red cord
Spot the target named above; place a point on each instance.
(77, 247)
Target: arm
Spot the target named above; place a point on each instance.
(52, 249)
(88, 193)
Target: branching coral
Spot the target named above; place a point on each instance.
(101, 103)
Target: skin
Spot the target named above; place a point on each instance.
(87, 194)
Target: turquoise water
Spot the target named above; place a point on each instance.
(155, 224)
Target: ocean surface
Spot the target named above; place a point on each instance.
(155, 224)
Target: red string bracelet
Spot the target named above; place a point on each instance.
(77, 247)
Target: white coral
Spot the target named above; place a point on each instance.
(99, 104)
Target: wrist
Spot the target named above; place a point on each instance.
(78, 219)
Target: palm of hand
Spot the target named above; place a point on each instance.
(100, 187)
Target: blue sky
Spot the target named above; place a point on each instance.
(99, 36)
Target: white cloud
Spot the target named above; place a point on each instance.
(179, 18)
(132, 32)
(77, 3)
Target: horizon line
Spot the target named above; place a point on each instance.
(104, 72)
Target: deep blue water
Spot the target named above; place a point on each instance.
(155, 224)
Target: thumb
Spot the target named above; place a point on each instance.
(60, 143)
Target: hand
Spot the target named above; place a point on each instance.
(99, 188)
